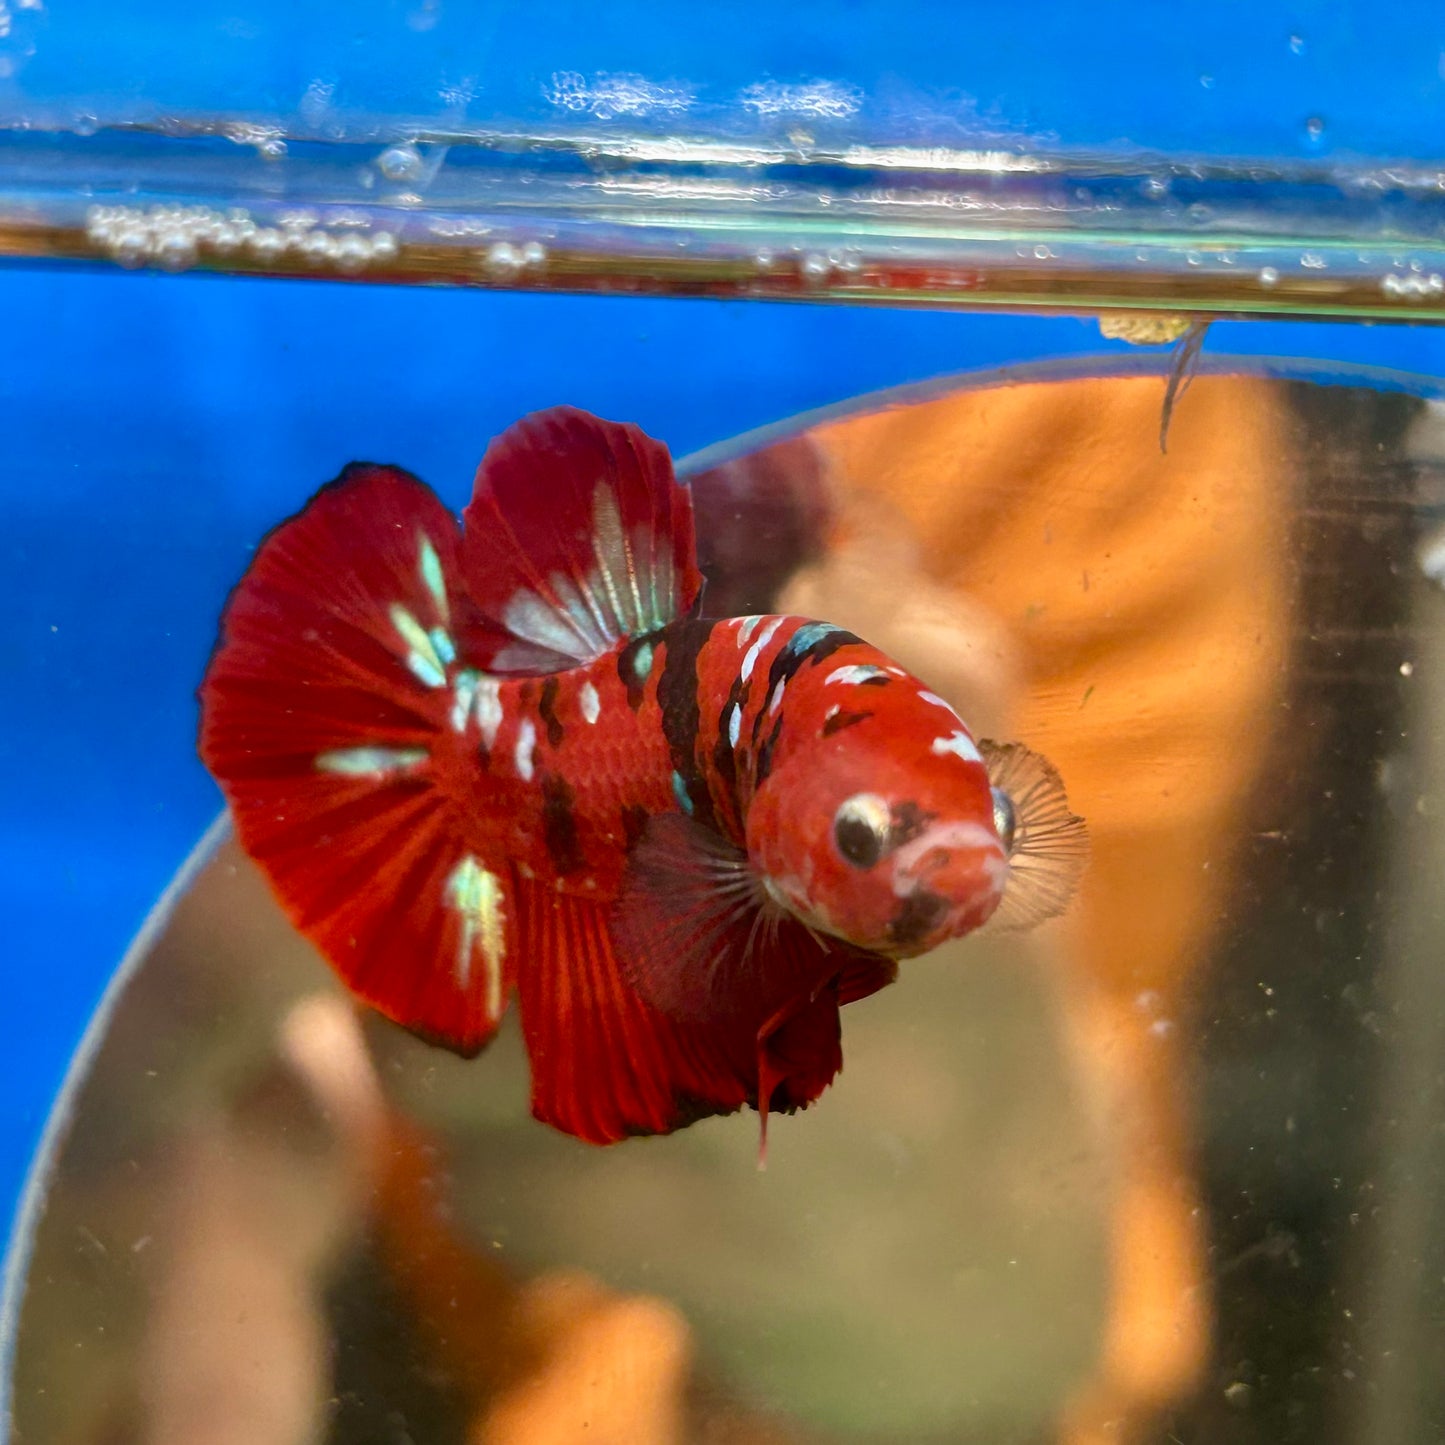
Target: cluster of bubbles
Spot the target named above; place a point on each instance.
(1412, 285)
(504, 260)
(173, 237)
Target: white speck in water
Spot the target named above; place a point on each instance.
(1430, 555)
(534, 253)
(1297, 44)
(1268, 276)
(1407, 669)
(383, 246)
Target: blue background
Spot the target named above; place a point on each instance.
(153, 427)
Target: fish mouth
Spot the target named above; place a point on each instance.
(948, 882)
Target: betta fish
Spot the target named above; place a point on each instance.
(514, 757)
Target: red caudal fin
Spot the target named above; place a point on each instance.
(605, 1063)
(330, 720)
(577, 536)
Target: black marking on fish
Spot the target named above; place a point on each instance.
(764, 764)
(812, 642)
(724, 760)
(634, 824)
(627, 669)
(908, 823)
(559, 826)
(920, 914)
(879, 679)
(841, 720)
(677, 690)
(547, 711)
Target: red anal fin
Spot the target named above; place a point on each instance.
(605, 1063)
(578, 535)
(328, 720)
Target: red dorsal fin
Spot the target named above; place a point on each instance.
(330, 719)
(577, 536)
(703, 942)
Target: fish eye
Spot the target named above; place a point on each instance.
(860, 829)
(1005, 819)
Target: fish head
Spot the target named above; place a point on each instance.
(886, 834)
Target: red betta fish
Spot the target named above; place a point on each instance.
(511, 756)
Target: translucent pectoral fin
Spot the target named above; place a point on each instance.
(1049, 848)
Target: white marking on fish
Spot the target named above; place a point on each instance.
(854, 674)
(489, 708)
(591, 703)
(430, 567)
(746, 627)
(776, 701)
(441, 642)
(466, 691)
(479, 899)
(369, 762)
(422, 657)
(750, 661)
(735, 724)
(522, 753)
(960, 745)
(948, 837)
(937, 701)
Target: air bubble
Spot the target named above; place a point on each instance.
(815, 268)
(534, 253)
(1297, 44)
(175, 250)
(383, 246)
(267, 244)
(131, 246)
(353, 253)
(1268, 276)
(271, 149)
(502, 258)
(400, 162)
(1314, 129)
(318, 247)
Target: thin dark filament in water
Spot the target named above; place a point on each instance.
(1181, 373)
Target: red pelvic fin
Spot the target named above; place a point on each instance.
(703, 942)
(577, 536)
(329, 720)
(605, 1063)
